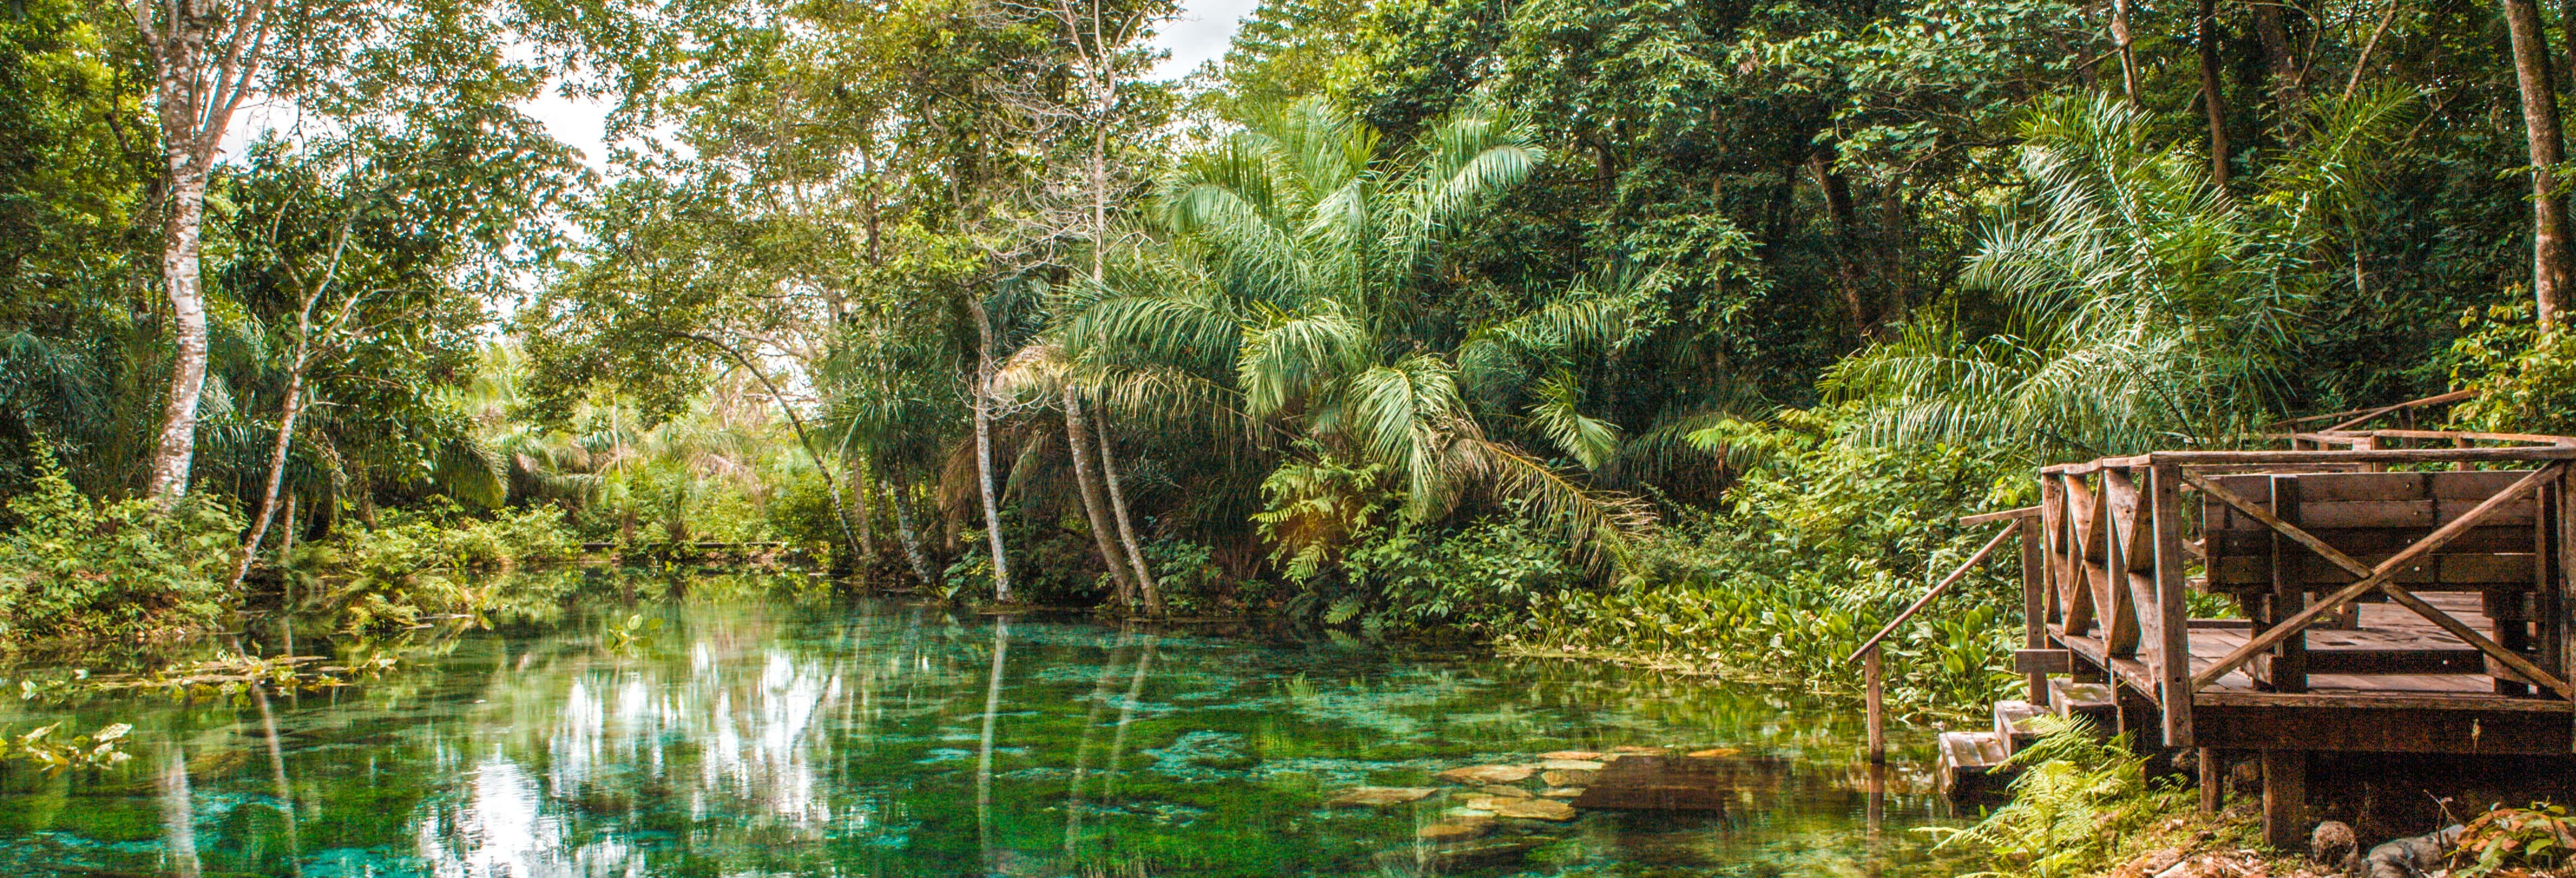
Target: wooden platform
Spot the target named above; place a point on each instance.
(2396, 600)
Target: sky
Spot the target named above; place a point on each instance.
(1200, 34)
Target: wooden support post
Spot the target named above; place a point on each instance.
(2285, 798)
(1873, 701)
(2566, 587)
(2213, 780)
(2173, 612)
(2289, 660)
(2034, 604)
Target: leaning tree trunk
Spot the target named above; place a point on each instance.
(2120, 41)
(984, 450)
(2288, 81)
(286, 417)
(1077, 434)
(905, 533)
(2213, 98)
(1126, 529)
(2549, 275)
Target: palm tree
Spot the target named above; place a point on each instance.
(1286, 299)
(2148, 308)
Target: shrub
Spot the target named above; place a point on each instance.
(2526, 378)
(1818, 545)
(73, 567)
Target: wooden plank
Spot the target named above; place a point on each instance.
(2540, 438)
(2040, 663)
(2384, 455)
(1984, 517)
(2378, 577)
(2013, 724)
(2134, 534)
(2385, 730)
(2084, 512)
(2074, 589)
(2376, 700)
(2377, 541)
(2173, 624)
(2468, 572)
(2565, 519)
(2385, 661)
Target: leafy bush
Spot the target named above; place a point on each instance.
(1820, 543)
(1336, 532)
(71, 566)
(2079, 797)
(2526, 378)
(2539, 836)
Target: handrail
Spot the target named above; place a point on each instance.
(1955, 575)
(2367, 414)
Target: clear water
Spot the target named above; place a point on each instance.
(773, 732)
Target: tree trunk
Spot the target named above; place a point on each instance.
(2540, 129)
(2120, 41)
(1077, 435)
(2288, 84)
(180, 280)
(904, 532)
(984, 449)
(1126, 529)
(2213, 97)
(203, 58)
(863, 493)
(1838, 206)
(286, 415)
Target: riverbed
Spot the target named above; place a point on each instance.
(775, 728)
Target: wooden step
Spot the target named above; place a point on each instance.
(2092, 701)
(2013, 724)
(1971, 766)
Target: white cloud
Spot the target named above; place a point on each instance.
(1200, 34)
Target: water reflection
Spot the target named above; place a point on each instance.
(812, 737)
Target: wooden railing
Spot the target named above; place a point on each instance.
(1873, 682)
(2118, 555)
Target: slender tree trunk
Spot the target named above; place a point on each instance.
(984, 449)
(181, 281)
(277, 453)
(2213, 96)
(863, 493)
(2549, 258)
(1077, 434)
(1126, 529)
(2120, 41)
(913, 554)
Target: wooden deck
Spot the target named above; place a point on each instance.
(2397, 600)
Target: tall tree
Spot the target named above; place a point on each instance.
(205, 55)
(2549, 245)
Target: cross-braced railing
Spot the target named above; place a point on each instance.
(2121, 551)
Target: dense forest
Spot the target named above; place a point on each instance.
(1640, 327)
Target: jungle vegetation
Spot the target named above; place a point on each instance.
(1639, 327)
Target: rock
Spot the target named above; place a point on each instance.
(1570, 765)
(2150, 863)
(1571, 754)
(1561, 792)
(1503, 792)
(1461, 829)
(1378, 797)
(1715, 753)
(1482, 775)
(1522, 808)
(1564, 778)
(1634, 750)
(2332, 843)
(2410, 856)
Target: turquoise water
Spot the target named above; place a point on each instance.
(784, 731)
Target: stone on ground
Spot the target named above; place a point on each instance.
(1571, 754)
(1483, 775)
(1714, 753)
(1570, 765)
(1505, 792)
(1523, 809)
(1562, 792)
(1458, 829)
(1378, 797)
(1562, 778)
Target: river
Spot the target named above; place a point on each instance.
(771, 728)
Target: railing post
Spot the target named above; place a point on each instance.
(2173, 666)
(2034, 602)
(1875, 706)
